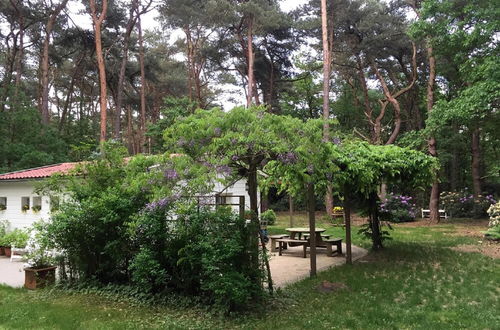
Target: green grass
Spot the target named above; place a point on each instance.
(416, 282)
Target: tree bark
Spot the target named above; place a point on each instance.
(476, 163)
(121, 76)
(254, 208)
(432, 144)
(143, 85)
(326, 70)
(250, 55)
(97, 22)
(44, 105)
(326, 93)
(290, 209)
(375, 222)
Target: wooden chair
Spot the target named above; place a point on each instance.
(17, 253)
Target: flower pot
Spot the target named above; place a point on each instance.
(7, 251)
(39, 278)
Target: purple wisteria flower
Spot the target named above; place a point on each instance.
(182, 142)
(235, 158)
(224, 170)
(160, 204)
(288, 158)
(170, 174)
(337, 141)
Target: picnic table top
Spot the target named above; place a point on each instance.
(304, 230)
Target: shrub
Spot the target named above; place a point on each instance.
(4, 224)
(206, 254)
(493, 231)
(397, 208)
(39, 246)
(461, 204)
(269, 216)
(17, 237)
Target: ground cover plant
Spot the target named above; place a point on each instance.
(417, 281)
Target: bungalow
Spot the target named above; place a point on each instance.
(21, 206)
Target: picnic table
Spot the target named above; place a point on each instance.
(296, 232)
(295, 239)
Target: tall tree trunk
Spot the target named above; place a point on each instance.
(20, 52)
(123, 66)
(250, 55)
(375, 222)
(143, 84)
(326, 70)
(432, 145)
(69, 94)
(97, 22)
(44, 106)
(476, 163)
(326, 93)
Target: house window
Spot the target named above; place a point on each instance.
(25, 203)
(225, 199)
(37, 203)
(3, 203)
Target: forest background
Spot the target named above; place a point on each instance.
(419, 74)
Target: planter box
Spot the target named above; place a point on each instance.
(39, 278)
(7, 251)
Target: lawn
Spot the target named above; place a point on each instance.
(417, 281)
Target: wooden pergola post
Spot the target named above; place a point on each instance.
(311, 198)
(347, 219)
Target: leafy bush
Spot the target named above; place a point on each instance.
(39, 246)
(4, 224)
(461, 204)
(17, 238)
(204, 253)
(269, 216)
(493, 231)
(397, 208)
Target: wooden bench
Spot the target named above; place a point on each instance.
(274, 238)
(427, 213)
(328, 243)
(283, 242)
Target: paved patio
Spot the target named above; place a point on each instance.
(11, 273)
(292, 267)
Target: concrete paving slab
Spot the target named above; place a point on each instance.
(291, 267)
(11, 273)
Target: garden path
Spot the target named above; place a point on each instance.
(11, 273)
(291, 267)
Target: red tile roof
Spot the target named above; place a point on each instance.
(39, 172)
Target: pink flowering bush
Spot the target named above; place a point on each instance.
(461, 204)
(397, 208)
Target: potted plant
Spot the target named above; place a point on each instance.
(41, 271)
(25, 208)
(36, 208)
(17, 238)
(3, 207)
